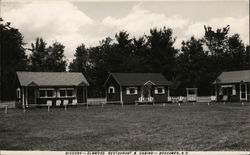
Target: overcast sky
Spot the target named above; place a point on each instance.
(76, 22)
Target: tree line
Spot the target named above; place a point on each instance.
(196, 64)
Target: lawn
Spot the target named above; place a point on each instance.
(188, 127)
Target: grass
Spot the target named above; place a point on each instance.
(188, 127)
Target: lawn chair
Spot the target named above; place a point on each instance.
(49, 103)
(225, 98)
(58, 102)
(65, 102)
(74, 102)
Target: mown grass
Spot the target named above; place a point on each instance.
(188, 127)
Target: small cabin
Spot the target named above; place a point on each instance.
(54, 88)
(233, 86)
(131, 88)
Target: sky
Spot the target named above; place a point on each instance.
(75, 22)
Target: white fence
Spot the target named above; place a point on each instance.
(175, 99)
(95, 101)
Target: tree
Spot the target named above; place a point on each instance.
(38, 56)
(236, 54)
(216, 41)
(13, 58)
(79, 63)
(49, 59)
(193, 68)
(55, 60)
(162, 52)
(101, 59)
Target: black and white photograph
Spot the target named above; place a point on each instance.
(154, 77)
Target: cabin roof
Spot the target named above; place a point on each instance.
(129, 79)
(233, 77)
(51, 78)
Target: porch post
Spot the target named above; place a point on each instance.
(216, 92)
(23, 98)
(121, 95)
(246, 90)
(168, 91)
(26, 97)
(35, 95)
(240, 90)
(86, 96)
(76, 94)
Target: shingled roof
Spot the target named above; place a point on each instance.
(234, 77)
(129, 79)
(51, 78)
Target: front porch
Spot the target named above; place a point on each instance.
(34, 96)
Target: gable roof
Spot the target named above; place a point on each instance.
(132, 79)
(51, 78)
(233, 77)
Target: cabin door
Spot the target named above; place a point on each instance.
(243, 92)
(31, 95)
(81, 95)
(147, 91)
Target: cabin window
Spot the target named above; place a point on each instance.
(46, 93)
(66, 92)
(50, 93)
(62, 93)
(42, 93)
(228, 90)
(70, 92)
(131, 91)
(159, 90)
(111, 90)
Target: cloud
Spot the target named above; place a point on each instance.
(139, 21)
(237, 25)
(54, 21)
(64, 22)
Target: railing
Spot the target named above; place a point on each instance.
(145, 99)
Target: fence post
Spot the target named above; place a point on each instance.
(65, 107)
(48, 108)
(208, 103)
(242, 103)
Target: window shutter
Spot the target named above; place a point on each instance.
(58, 93)
(163, 90)
(156, 90)
(127, 91)
(135, 90)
